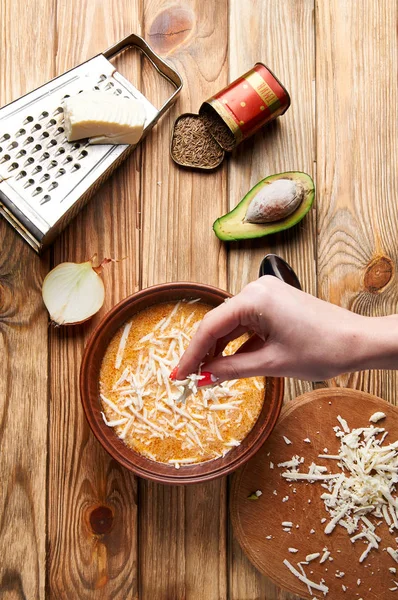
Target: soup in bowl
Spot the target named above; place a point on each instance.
(172, 432)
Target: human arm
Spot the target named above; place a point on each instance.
(295, 335)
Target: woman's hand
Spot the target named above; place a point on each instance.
(294, 335)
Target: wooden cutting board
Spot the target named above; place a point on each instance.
(311, 416)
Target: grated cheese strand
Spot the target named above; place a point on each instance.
(313, 556)
(122, 345)
(316, 586)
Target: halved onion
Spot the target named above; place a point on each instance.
(73, 292)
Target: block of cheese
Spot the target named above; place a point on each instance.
(104, 118)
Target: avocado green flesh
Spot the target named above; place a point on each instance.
(232, 227)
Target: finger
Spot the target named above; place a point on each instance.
(218, 323)
(251, 345)
(219, 346)
(238, 366)
(224, 341)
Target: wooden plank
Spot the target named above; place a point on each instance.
(92, 545)
(183, 531)
(23, 336)
(277, 31)
(357, 62)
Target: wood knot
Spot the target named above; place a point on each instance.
(101, 520)
(171, 28)
(378, 274)
(9, 299)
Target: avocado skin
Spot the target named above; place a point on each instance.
(231, 227)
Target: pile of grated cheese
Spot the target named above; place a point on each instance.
(359, 491)
(174, 422)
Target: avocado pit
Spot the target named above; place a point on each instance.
(275, 201)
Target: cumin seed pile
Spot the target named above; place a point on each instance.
(193, 146)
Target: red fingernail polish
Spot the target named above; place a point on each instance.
(173, 374)
(207, 379)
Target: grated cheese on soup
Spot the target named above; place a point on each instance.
(175, 423)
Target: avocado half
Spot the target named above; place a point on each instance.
(232, 227)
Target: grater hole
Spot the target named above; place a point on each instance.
(66, 96)
(28, 140)
(60, 130)
(43, 115)
(29, 161)
(52, 164)
(45, 199)
(37, 169)
(36, 127)
(60, 151)
(21, 174)
(21, 153)
(58, 110)
(13, 166)
(44, 135)
(36, 148)
(52, 186)
(37, 191)
(1, 149)
(60, 173)
(109, 85)
(44, 156)
(118, 92)
(76, 147)
(51, 143)
(75, 167)
(5, 158)
(12, 146)
(96, 87)
(68, 159)
(29, 183)
(102, 78)
(5, 137)
(20, 132)
(45, 177)
(82, 154)
(51, 123)
(28, 120)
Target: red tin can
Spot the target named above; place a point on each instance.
(245, 105)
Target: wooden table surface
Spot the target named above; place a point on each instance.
(73, 524)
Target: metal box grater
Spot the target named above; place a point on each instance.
(45, 180)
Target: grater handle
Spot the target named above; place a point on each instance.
(165, 70)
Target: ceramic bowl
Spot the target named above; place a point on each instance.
(139, 464)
